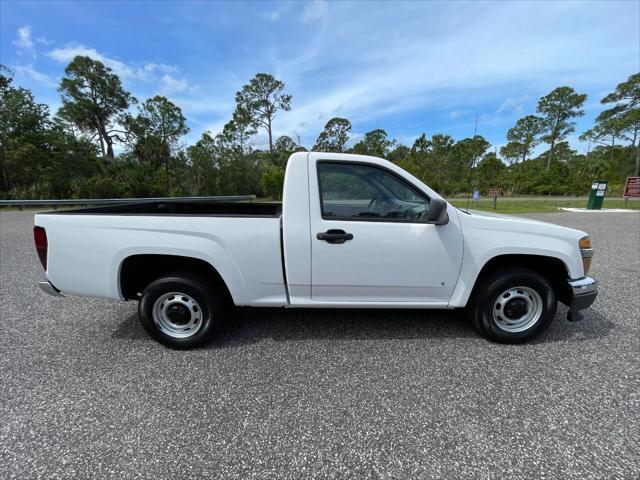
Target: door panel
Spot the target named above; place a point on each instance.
(391, 257)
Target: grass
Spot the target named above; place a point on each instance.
(539, 204)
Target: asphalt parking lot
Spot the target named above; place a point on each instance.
(84, 393)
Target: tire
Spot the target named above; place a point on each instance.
(513, 306)
(181, 310)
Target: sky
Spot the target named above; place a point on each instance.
(406, 67)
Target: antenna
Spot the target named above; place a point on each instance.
(475, 133)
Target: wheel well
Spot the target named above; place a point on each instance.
(553, 269)
(138, 271)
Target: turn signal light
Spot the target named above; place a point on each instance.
(40, 237)
(587, 253)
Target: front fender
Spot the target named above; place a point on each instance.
(486, 238)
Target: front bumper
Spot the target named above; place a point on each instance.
(583, 293)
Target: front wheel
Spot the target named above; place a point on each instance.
(181, 310)
(514, 306)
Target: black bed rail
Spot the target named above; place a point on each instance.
(122, 201)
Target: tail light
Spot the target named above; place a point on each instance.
(40, 237)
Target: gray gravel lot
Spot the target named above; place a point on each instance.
(327, 394)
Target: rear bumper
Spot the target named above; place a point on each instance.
(583, 293)
(48, 287)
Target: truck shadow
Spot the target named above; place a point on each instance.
(252, 325)
(593, 326)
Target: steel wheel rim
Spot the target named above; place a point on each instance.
(528, 301)
(177, 315)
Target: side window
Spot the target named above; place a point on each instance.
(350, 191)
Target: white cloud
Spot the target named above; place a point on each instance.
(69, 52)
(513, 105)
(26, 42)
(173, 85)
(314, 11)
(145, 72)
(30, 72)
(273, 16)
(163, 73)
(43, 41)
(24, 38)
(159, 67)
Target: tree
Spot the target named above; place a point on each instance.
(243, 127)
(23, 121)
(399, 154)
(490, 172)
(286, 144)
(284, 147)
(433, 158)
(272, 181)
(523, 137)
(93, 99)
(204, 170)
(557, 109)
(625, 114)
(156, 130)
(605, 131)
(261, 99)
(237, 131)
(374, 143)
(418, 160)
(69, 160)
(234, 136)
(334, 137)
(463, 161)
(421, 145)
(511, 152)
(164, 119)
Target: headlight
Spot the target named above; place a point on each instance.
(587, 253)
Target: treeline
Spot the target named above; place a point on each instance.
(103, 142)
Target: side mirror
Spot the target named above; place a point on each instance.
(437, 212)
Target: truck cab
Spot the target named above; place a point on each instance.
(366, 235)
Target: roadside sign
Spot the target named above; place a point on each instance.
(632, 187)
(495, 193)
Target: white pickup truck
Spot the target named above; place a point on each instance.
(352, 231)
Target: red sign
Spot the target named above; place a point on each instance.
(632, 188)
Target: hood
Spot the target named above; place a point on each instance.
(512, 223)
(481, 213)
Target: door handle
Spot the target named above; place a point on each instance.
(334, 236)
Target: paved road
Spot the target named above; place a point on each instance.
(326, 394)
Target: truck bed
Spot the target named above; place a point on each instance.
(178, 207)
(242, 241)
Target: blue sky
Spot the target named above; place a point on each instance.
(406, 67)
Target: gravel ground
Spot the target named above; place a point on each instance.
(326, 394)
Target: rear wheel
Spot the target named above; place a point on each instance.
(181, 310)
(514, 306)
